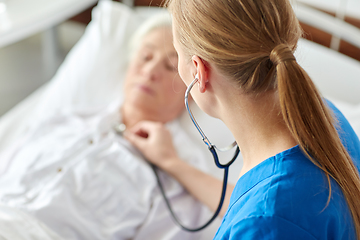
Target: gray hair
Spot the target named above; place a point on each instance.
(161, 19)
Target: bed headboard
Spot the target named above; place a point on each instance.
(331, 27)
(85, 16)
(311, 32)
(144, 2)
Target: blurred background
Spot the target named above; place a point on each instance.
(36, 35)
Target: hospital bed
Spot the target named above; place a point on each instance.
(320, 25)
(90, 77)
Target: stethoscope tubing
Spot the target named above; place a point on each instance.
(204, 138)
(211, 148)
(222, 198)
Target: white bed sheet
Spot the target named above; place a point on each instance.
(17, 225)
(91, 75)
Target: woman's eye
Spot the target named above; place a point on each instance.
(146, 57)
(171, 67)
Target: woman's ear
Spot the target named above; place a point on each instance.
(202, 71)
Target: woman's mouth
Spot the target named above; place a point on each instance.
(146, 89)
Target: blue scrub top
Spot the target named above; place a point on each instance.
(285, 197)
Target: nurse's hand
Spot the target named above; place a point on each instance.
(154, 141)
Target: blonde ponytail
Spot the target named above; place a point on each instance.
(313, 127)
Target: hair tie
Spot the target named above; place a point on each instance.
(281, 53)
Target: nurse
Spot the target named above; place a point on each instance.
(298, 180)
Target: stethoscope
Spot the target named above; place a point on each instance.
(120, 128)
(212, 148)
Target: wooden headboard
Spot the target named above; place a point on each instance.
(324, 38)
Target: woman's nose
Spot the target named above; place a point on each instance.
(153, 70)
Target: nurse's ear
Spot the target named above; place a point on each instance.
(202, 70)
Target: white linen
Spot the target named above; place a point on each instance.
(16, 225)
(335, 74)
(72, 172)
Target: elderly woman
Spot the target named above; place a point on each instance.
(78, 176)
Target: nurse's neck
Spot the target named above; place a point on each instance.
(258, 127)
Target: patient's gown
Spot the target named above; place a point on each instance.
(80, 178)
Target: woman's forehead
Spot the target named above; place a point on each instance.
(159, 38)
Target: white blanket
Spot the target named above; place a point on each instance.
(17, 225)
(82, 180)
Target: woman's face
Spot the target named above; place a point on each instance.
(152, 82)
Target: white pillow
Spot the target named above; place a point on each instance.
(91, 75)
